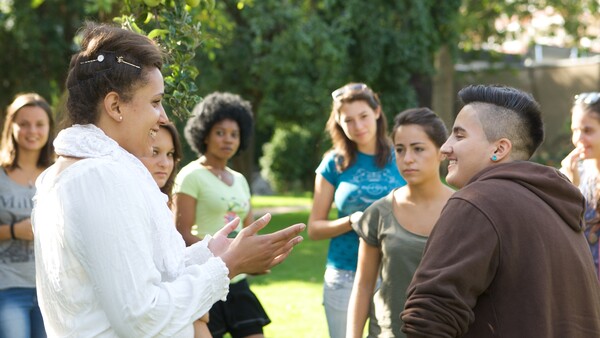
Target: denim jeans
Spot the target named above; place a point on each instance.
(20, 315)
(336, 296)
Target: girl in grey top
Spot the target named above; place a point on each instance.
(25, 151)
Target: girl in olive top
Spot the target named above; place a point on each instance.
(393, 230)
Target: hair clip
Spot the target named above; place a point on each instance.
(100, 58)
(120, 60)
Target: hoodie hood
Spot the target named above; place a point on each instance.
(547, 183)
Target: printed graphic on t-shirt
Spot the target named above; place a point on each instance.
(231, 214)
(16, 252)
(369, 186)
(15, 203)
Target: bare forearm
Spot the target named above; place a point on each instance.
(20, 230)
(358, 311)
(5, 232)
(324, 229)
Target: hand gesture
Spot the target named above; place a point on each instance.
(219, 242)
(252, 253)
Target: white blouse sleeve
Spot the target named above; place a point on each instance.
(108, 228)
(198, 253)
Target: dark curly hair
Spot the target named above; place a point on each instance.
(214, 108)
(111, 59)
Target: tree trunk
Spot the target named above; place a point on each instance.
(243, 162)
(444, 96)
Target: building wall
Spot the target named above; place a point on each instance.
(553, 84)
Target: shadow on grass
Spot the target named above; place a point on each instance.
(292, 293)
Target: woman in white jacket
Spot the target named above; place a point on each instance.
(109, 259)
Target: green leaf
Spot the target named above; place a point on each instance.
(149, 17)
(157, 32)
(36, 3)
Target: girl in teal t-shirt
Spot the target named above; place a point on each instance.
(357, 171)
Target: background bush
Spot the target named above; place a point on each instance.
(289, 159)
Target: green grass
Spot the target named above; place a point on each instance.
(292, 293)
(280, 201)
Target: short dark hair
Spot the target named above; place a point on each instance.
(9, 150)
(431, 123)
(507, 112)
(215, 108)
(95, 70)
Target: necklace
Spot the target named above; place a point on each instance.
(219, 174)
(25, 177)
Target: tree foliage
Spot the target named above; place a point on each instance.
(296, 52)
(37, 44)
(38, 38)
(285, 56)
(171, 24)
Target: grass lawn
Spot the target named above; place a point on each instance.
(292, 292)
(261, 202)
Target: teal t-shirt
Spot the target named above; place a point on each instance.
(355, 189)
(216, 202)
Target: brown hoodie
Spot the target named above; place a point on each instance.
(507, 258)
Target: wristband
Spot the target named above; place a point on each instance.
(12, 231)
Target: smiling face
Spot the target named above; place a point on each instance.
(417, 157)
(359, 122)
(467, 149)
(31, 127)
(161, 162)
(142, 115)
(223, 140)
(586, 132)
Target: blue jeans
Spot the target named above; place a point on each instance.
(336, 296)
(20, 315)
